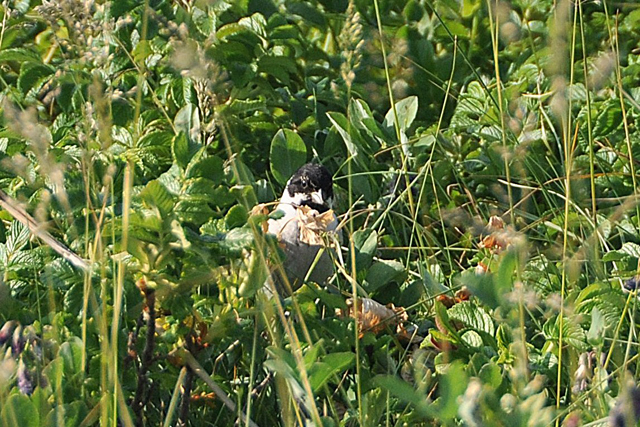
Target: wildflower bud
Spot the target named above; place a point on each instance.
(626, 412)
(25, 383)
(17, 343)
(7, 331)
(583, 374)
(632, 284)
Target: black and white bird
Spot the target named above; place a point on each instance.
(305, 224)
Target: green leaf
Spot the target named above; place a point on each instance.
(491, 374)
(279, 67)
(18, 410)
(142, 51)
(365, 243)
(482, 286)
(236, 217)
(72, 414)
(180, 150)
(413, 11)
(230, 30)
(405, 392)
(156, 139)
(288, 153)
(255, 23)
(156, 196)
(433, 285)
(19, 55)
(382, 272)
(469, 8)
(71, 354)
(31, 74)
(343, 127)
(18, 237)
(451, 386)
(444, 321)
(237, 239)
(472, 316)
(187, 121)
(630, 248)
(595, 336)
(201, 189)
(193, 210)
(331, 365)
(363, 118)
(211, 167)
(608, 120)
(572, 332)
(406, 110)
(309, 13)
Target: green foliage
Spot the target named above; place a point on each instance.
(143, 134)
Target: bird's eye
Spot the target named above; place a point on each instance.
(304, 183)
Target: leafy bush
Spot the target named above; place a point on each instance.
(484, 160)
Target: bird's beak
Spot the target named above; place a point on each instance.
(318, 198)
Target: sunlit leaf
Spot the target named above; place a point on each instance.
(288, 153)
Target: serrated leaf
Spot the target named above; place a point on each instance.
(237, 239)
(572, 332)
(472, 316)
(288, 152)
(211, 167)
(608, 120)
(309, 13)
(19, 55)
(279, 67)
(255, 23)
(630, 248)
(155, 195)
(31, 74)
(26, 259)
(18, 237)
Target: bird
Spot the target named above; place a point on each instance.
(303, 219)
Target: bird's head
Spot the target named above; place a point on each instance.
(311, 185)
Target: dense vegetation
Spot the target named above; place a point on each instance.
(142, 135)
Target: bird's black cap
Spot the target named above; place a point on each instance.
(309, 178)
